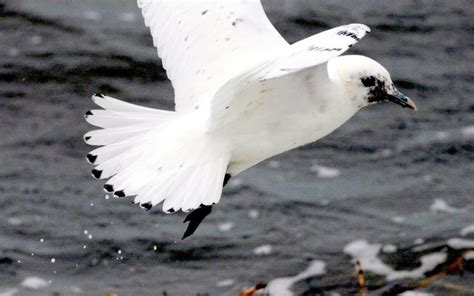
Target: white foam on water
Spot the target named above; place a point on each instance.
(325, 172)
(225, 283)
(441, 135)
(14, 221)
(263, 250)
(227, 226)
(398, 219)
(128, 17)
(419, 241)
(76, 290)
(440, 205)
(389, 248)
(469, 255)
(367, 255)
(8, 292)
(428, 263)
(235, 183)
(92, 15)
(415, 293)
(274, 164)
(36, 40)
(468, 131)
(460, 243)
(254, 214)
(34, 283)
(282, 286)
(13, 52)
(467, 230)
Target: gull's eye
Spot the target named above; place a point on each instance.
(368, 81)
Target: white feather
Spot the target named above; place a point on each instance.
(195, 39)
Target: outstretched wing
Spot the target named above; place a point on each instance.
(304, 54)
(315, 50)
(203, 44)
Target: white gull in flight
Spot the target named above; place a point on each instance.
(242, 94)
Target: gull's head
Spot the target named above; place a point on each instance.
(365, 81)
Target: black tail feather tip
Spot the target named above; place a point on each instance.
(108, 188)
(91, 158)
(96, 173)
(147, 206)
(99, 96)
(119, 194)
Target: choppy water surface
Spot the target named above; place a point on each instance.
(391, 188)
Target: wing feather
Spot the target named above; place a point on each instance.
(205, 43)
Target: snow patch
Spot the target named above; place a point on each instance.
(366, 254)
(282, 286)
(460, 243)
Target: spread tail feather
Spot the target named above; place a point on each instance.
(156, 156)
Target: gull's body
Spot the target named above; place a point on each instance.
(289, 112)
(242, 94)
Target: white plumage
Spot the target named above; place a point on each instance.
(242, 94)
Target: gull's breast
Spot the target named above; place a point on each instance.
(281, 114)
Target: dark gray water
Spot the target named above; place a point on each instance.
(399, 179)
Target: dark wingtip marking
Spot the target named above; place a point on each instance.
(226, 179)
(171, 210)
(99, 96)
(96, 173)
(119, 193)
(108, 188)
(195, 218)
(147, 206)
(91, 158)
(87, 138)
(88, 113)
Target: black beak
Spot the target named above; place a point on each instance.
(402, 100)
